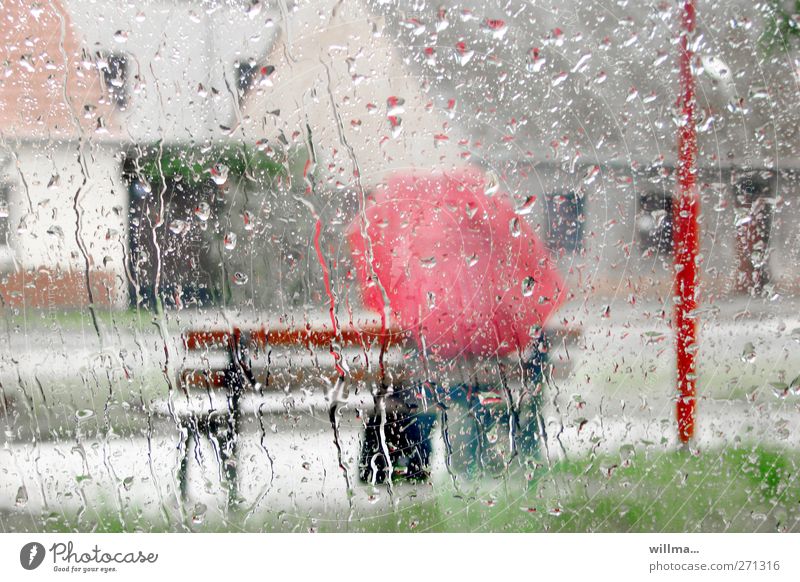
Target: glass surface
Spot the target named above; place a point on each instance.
(388, 265)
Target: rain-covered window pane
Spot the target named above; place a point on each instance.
(390, 265)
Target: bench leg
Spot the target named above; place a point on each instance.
(183, 484)
(226, 431)
(222, 434)
(408, 439)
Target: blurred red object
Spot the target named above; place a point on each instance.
(458, 266)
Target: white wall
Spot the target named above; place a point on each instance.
(55, 187)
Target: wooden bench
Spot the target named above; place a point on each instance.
(226, 373)
(252, 370)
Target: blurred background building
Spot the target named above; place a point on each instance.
(144, 154)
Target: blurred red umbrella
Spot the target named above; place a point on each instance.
(459, 266)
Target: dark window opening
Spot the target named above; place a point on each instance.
(565, 219)
(114, 68)
(169, 246)
(654, 222)
(246, 76)
(752, 194)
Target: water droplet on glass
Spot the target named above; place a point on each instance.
(25, 63)
(428, 262)
(737, 106)
(463, 54)
(527, 206)
(559, 78)
(4, 211)
(396, 125)
(441, 20)
(230, 241)
(85, 414)
(127, 483)
(492, 184)
(177, 226)
(555, 37)
(22, 497)
(248, 220)
(528, 284)
(142, 188)
(514, 227)
(121, 36)
(240, 278)
(710, 310)
(496, 27)
(202, 211)
(536, 60)
(794, 386)
(591, 174)
(55, 230)
(395, 106)
(581, 64)
(715, 68)
(653, 337)
(780, 390)
(219, 173)
(431, 297)
(439, 138)
(254, 9)
(199, 513)
(749, 353)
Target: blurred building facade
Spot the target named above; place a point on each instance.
(59, 184)
(158, 151)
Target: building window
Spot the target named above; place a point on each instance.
(752, 201)
(565, 218)
(114, 68)
(246, 76)
(654, 222)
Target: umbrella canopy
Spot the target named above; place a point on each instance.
(458, 265)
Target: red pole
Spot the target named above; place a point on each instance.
(685, 234)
